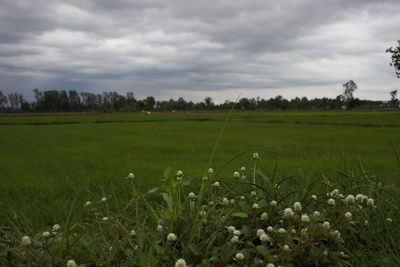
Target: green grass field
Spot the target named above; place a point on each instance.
(47, 160)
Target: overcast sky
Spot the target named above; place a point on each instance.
(195, 48)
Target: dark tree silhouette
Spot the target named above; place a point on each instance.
(395, 51)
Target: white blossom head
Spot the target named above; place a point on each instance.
(255, 206)
(180, 263)
(243, 169)
(232, 201)
(131, 175)
(235, 239)
(192, 195)
(348, 215)
(331, 202)
(270, 265)
(236, 175)
(216, 184)
(264, 216)
(253, 193)
(389, 220)
(210, 171)
(264, 237)
(255, 155)
(132, 233)
(314, 197)
(281, 231)
(71, 263)
(56, 227)
(273, 203)
(370, 202)
(26, 240)
(105, 219)
(297, 206)
(231, 229)
(179, 173)
(239, 256)
(260, 232)
(288, 213)
(326, 225)
(159, 228)
(335, 192)
(349, 199)
(172, 237)
(237, 232)
(305, 218)
(270, 229)
(286, 248)
(360, 198)
(316, 214)
(103, 199)
(225, 201)
(88, 203)
(46, 234)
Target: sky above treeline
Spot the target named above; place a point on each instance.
(193, 48)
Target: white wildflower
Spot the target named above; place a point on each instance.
(210, 171)
(235, 239)
(293, 231)
(389, 220)
(288, 212)
(326, 225)
(231, 229)
(88, 203)
(264, 216)
(305, 218)
(56, 227)
(132, 233)
(255, 155)
(273, 203)
(179, 173)
(331, 202)
(46, 234)
(270, 229)
(239, 256)
(242, 198)
(26, 240)
(348, 215)
(360, 198)
(205, 178)
(349, 199)
(336, 234)
(131, 176)
(171, 237)
(281, 231)
(180, 263)
(211, 203)
(304, 231)
(370, 202)
(202, 213)
(260, 232)
(270, 265)
(159, 228)
(192, 195)
(237, 233)
(236, 175)
(264, 237)
(366, 223)
(255, 206)
(286, 248)
(316, 214)
(314, 197)
(243, 169)
(232, 201)
(105, 219)
(297, 206)
(104, 199)
(71, 263)
(216, 184)
(335, 192)
(253, 193)
(225, 201)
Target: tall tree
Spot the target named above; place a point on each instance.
(395, 51)
(394, 102)
(3, 101)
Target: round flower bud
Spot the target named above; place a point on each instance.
(335, 192)
(288, 212)
(239, 256)
(314, 197)
(192, 195)
(235, 239)
(46, 234)
(281, 231)
(389, 220)
(26, 240)
(216, 184)
(56, 227)
(326, 225)
(225, 201)
(132, 233)
(297, 206)
(255, 206)
(286, 248)
(253, 193)
(273, 203)
(264, 238)
(305, 218)
(370, 202)
(331, 202)
(260, 232)
(171, 237)
(270, 265)
(264, 216)
(270, 229)
(360, 198)
(71, 263)
(236, 175)
(131, 176)
(180, 263)
(210, 171)
(316, 214)
(255, 155)
(179, 173)
(88, 203)
(243, 169)
(348, 215)
(159, 228)
(105, 219)
(104, 199)
(349, 199)
(237, 232)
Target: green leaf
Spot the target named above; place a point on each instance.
(240, 215)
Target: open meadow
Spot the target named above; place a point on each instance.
(50, 165)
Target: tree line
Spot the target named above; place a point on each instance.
(74, 101)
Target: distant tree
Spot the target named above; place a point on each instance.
(149, 103)
(394, 102)
(395, 58)
(3, 101)
(208, 102)
(347, 97)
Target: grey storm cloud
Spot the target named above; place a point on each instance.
(196, 48)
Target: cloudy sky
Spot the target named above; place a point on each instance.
(193, 48)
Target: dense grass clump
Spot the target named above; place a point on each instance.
(255, 217)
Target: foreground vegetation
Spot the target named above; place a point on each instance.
(54, 164)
